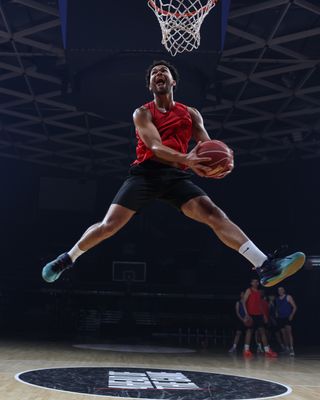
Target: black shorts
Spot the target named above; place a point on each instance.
(258, 321)
(153, 180)
(282, 322)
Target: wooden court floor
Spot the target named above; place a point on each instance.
(301, 373)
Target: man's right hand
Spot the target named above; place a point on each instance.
(196, 163)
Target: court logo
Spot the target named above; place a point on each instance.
(150, 380)
(152, 384)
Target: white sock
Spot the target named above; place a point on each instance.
(266, 348)
(75, 252)
(251, 252)
(246, 347)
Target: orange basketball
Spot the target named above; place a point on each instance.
(221, 158)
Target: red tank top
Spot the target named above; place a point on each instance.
(253, 304)
(174, 126)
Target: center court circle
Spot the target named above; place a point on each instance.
(151, 384)
(131, 348)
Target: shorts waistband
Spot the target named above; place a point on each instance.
(155, 168)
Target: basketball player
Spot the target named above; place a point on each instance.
(266, 319)
(285, 310)
(164, 128)
(273, 324)
(253, 307)
(240, 327)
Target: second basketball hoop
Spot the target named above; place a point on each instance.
(180, 22)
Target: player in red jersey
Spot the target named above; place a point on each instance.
(164, 128)
(253, 307)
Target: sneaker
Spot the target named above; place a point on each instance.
(232, 350)
(291, 353)
(247, 354)
(270, 354)
(52, 271)
(275, 270)
(259, 349)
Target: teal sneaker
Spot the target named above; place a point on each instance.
(275, 270)
(52, 271)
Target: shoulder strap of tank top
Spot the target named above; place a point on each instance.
(151, 107)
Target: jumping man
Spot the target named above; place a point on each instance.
(164, 129)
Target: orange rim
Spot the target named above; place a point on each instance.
(181, 15)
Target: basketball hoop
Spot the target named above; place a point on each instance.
(180, 22)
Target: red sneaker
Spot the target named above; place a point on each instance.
(270, 354)
(247, 354)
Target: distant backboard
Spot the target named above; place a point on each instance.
(129, 271)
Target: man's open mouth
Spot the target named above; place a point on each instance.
(160, 81)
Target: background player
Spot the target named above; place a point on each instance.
(240, 327)
(254, 310)
(286, 309)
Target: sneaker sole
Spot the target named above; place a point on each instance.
(290, 270)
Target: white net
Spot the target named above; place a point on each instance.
(180, 22)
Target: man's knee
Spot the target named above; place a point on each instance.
(204, 210)
(107, 228)
(211, 212)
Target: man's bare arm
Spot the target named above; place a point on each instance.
(237, 311)
(149, 134)
(294, 307)
(199, 132)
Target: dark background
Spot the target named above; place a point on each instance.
(67, 141)
(192, 280)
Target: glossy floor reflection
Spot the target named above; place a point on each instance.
(301, 373)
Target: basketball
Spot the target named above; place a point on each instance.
(248, 322)
(221, 158)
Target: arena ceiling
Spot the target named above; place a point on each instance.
(265, 101)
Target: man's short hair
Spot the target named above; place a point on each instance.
(172, 69)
